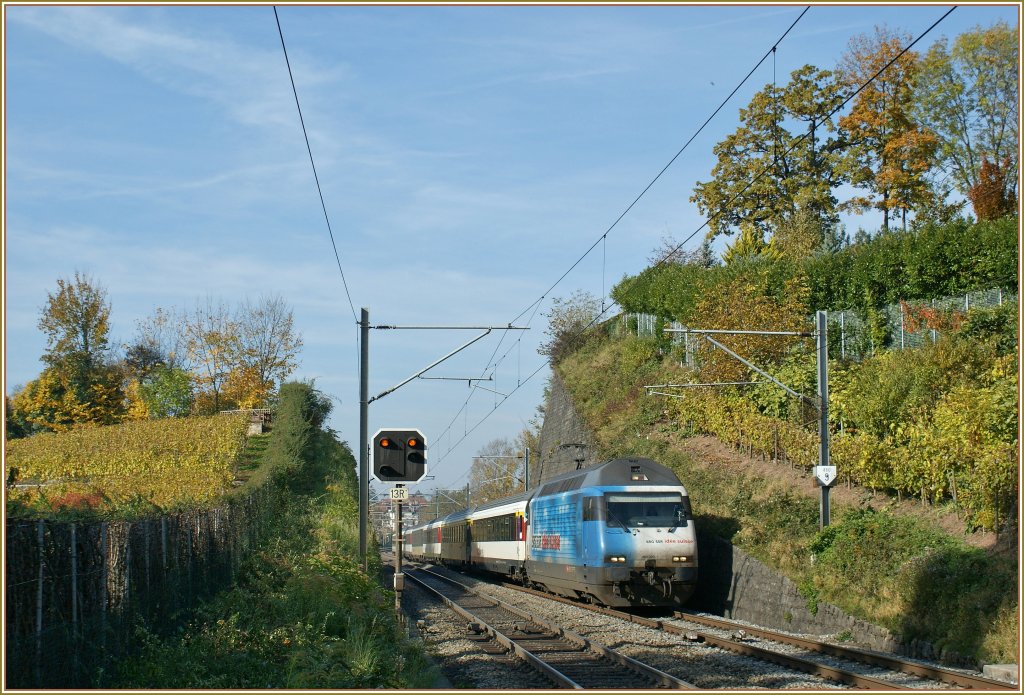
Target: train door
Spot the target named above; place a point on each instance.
(592, 539)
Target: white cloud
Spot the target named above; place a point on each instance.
(250, 83)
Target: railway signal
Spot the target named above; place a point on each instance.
(399, 455)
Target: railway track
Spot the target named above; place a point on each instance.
(690, 641)
(562, 656)
(833, 662)
(883, 661)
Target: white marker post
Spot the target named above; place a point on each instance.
(825, 472)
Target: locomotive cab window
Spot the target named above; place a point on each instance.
(639, 509)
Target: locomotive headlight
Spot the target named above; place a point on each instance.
(616, 558)
(679, 558)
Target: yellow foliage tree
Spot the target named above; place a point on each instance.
(244, 388)
(52, 402)
(211, 338)
(135, 406)
(888, 152)
(79, 385)
(742, 305)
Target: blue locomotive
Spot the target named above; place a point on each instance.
(620, 533)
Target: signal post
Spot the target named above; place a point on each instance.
(399, 456)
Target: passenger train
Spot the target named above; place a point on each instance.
(620, 533)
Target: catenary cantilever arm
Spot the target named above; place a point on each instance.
(428, 368)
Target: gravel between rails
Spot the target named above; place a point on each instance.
(466, 665)
(462, 660)
(707, 667)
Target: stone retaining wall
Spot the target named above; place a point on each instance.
(735, 585)
(562, 431)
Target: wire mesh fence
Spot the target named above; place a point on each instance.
(76, 591)
(854, 336)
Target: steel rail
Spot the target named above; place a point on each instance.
(936, 673)
(527, 656)
(621, 659)
(796, 663)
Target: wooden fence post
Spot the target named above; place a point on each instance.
(104, 578)
(74, 583)
(40, 538)
(146, 546)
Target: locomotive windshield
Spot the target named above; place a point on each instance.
(657, 509)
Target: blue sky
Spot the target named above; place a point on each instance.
(467, 155)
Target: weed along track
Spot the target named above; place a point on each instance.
(564, 658)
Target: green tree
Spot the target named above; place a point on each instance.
(969, 97)
(765, 172)
(167, 392)
(889, 153)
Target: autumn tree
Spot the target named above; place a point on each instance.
(14, 427)
(741, 304)
(528, 439)
(889, 152)
(161, 339)
(671, 252)
(782, 159)
(748, 245)
(80, 383)
(211, 341)
(267, 348)
(76, 322)
(497, 471)
(969, 97)
(991, 196)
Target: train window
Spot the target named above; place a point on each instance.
(658, 509)
(592, 509)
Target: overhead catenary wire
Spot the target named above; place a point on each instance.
(316, 178)
(679, 246)
(796, 142)
(602, 239)
(666, 167)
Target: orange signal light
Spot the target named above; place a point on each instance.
(385, 443)
(414, 442)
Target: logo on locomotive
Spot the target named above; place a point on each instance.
(547, 541)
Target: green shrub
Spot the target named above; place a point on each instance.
(915, 581)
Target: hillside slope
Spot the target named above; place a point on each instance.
(909, 566)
